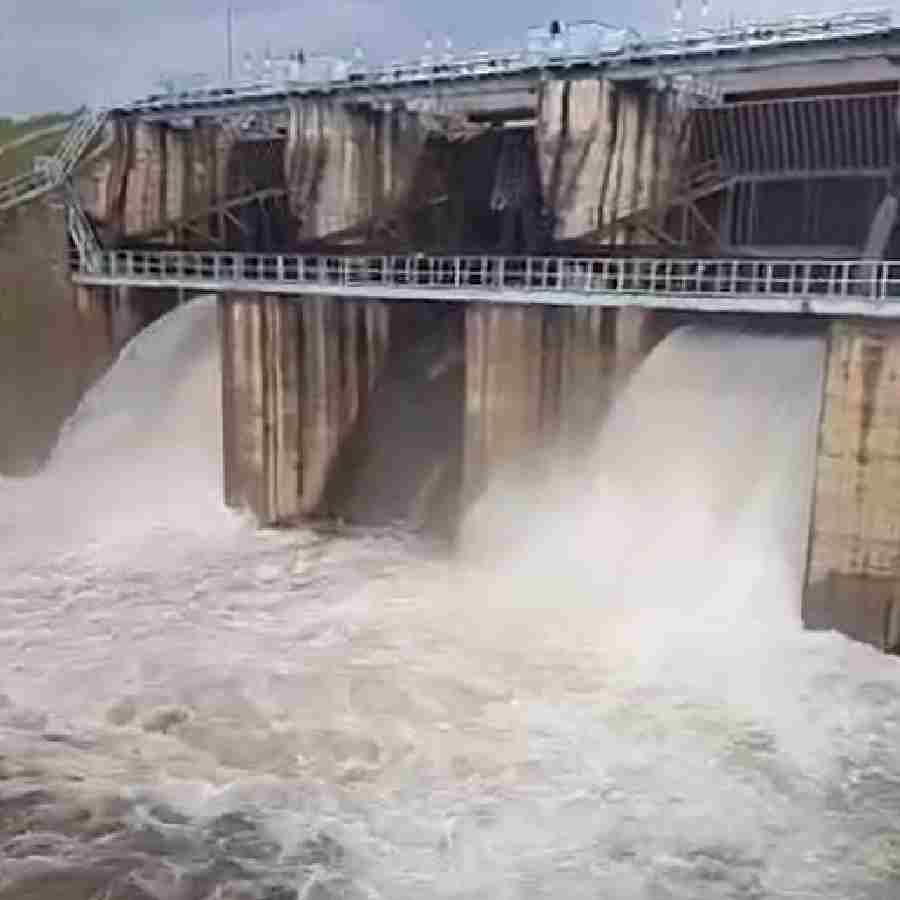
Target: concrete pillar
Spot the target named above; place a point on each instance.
(853, 578)
(631, 106)
(145, 186)
(101, 184)
(298, 374)
(604, 152)
(321, 403)
(504, 377)
(176, 183)
(541, 377)
(243, 407)
(587, 371)
(575, 140)
(262, 381)
(295, 381)
(649, 186)
(343, 166)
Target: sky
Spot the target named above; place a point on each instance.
(59, 54)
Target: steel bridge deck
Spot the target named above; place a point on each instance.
(820, 287)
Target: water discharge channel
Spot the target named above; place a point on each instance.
(609, 694)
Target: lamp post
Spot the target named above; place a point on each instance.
(230, 40)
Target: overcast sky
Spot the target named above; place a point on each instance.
(57, 54)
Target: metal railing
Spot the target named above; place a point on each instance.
(49, 173)
(800, 134)
(78, 138)
(27, 186)
(833, 29)
(725, 278)
(84, 238)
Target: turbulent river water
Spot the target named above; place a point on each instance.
(607, 695)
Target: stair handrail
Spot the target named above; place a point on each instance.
(52, 171)
(80, 229)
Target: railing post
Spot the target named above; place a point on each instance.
(501, 272)
(528, 263)
(882, 281)
(279, 267)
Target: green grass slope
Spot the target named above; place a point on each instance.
(23, 139)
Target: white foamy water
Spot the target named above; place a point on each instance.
(611, 698)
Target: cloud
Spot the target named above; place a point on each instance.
(57, 54)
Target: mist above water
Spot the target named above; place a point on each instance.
(609, 695)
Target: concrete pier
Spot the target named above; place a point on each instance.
(606, 150)
(296, 378)
(853, 580)
(538, 379)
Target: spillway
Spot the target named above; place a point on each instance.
(608, 694)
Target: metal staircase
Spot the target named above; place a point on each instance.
(81, 231)
(51, 172)
(54, 172)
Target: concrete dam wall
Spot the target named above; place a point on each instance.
(368, 409)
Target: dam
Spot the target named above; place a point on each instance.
(532, 225)
(657, 467)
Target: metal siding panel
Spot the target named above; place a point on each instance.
(805, 128)
(793, 128)
(742, 140)
(822, 136)
(761, 132)
(846, 136)
(730, 139)
(705, 130)
(880, 151)
(777, 135)
(727, 136)
(862, 125)
(870, 158)
(721, 133)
